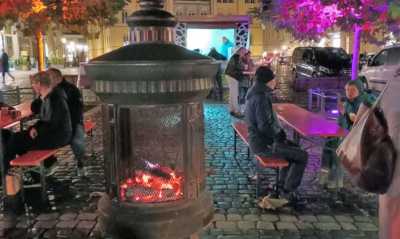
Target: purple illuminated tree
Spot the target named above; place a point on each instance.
(311, 19)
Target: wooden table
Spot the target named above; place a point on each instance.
(6, 121)
(306, 123)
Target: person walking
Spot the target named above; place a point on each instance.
(5, 66)
(226, 47)
(234, 73)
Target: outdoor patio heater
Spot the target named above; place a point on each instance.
(154, 129)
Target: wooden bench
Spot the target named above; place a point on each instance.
(36, 158)
(262, 162)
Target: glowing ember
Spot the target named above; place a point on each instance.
(153, 184)
(38, 6)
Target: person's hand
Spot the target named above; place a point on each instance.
(341, 108)
(352, 117)
(33, 133)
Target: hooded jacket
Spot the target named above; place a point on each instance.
(352, 106)
(263, 124)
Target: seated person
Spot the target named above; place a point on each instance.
(37, 102)
(75, 106)
(331, 173)
(267, 137)
(53, 130)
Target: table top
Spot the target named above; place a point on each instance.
(25, 109)
(306, 123)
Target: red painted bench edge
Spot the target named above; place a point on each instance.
(266, 162)
(32, 158)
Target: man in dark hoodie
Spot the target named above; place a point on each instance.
(53, 130)
(267, 137)
(75, 105)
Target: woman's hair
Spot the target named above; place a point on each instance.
(42, 78)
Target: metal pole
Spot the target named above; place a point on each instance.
(323, 102)
(3, 172)
(310, 99)
(116, 148)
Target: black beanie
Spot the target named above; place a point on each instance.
(264, 74)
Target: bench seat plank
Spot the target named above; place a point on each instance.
(33, 158)
(270, 162)
(266, 162)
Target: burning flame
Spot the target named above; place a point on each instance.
(38, 6)
(154, 184)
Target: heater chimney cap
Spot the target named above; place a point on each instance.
(150, 51)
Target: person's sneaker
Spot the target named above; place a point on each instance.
(293, 198)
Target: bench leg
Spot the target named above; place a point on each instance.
(296, 137)
(277, 182)
(92, 143)
(258, 179)
(43, 182)
(234, 143)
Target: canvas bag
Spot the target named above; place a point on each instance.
(367, 152)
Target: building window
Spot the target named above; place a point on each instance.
(250, 1)
(227, 1)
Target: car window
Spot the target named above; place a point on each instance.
(381, 58)
(335, 58)
(394, 56)
(297, 56)
(308, 56)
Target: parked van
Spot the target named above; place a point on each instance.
(383, 66)
(320, 61)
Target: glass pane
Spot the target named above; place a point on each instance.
(381, 58)
(394, 56)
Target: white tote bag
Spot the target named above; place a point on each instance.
(350, 149)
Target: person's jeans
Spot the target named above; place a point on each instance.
(290, 177)
(78, 144)
(330, 164)
(233, 94)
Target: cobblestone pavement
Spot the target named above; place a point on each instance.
(347, 214)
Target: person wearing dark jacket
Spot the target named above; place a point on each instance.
(5, 66)
(234, 74)
(75, 105)
(37, 101)
(267, 137)
(53, 130)
(218, 90)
